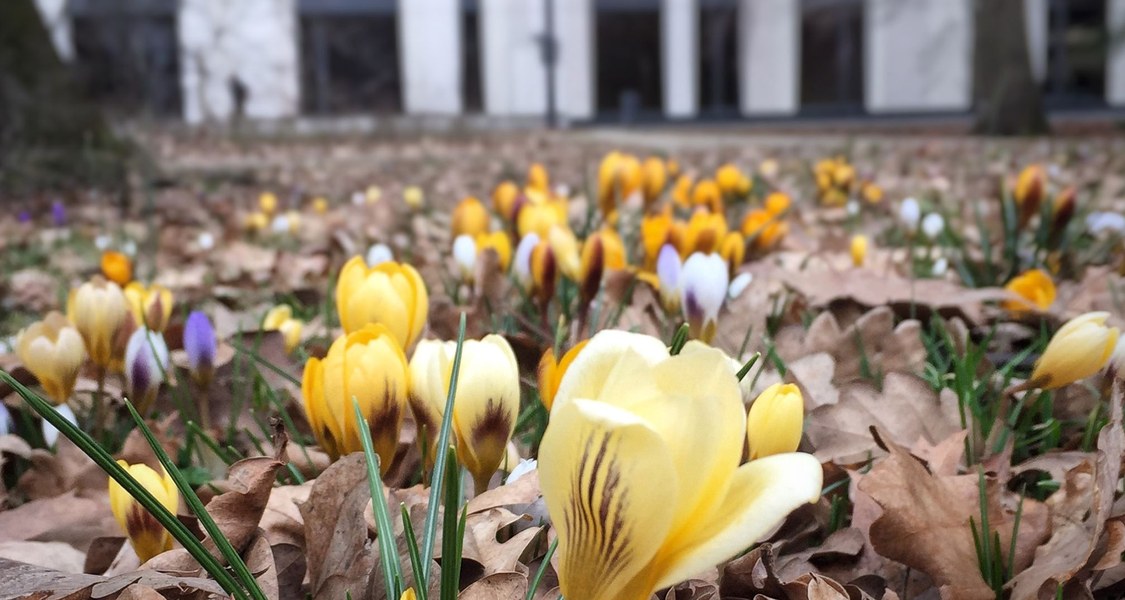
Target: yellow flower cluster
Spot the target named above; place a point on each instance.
(836, 183)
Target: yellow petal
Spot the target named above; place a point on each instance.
(598, 359)
(761, 494)
(486, 406)
(605, 482)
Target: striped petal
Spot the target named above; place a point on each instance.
(605, 481)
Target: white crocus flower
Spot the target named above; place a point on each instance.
(50, 433)
(910, 213)
(205, 241)
(941, 265)
(146, 360)
(703, 289)
(378, 253)
(668, 268)
(739, 285)
(522, 260)
(933, 225)
(465, 255)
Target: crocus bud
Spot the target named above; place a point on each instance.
(370, 367)
(859, 249)
(200, 346)
(733, 250)
(413, 197)
(98, 309)
(465, 255)
(603, 251)
(146, 360)
(550, 372)
(707, 194)
(373, 194)
(655, 230)
(732, 181)
(267, 203)
(1031, 185)
(705, 232)
(544, 271)
(654, 178)
(320, 205)
(117, 267)
(504, 199)
(58, 213)
(565, 248)
(1062, 211)
(378, 253)
(205, 241)
(537, 178)
(1035, 287)
(775, 421)
(280, 318)
(523, 259)
(151, 306)
(498, 242)
(932, 225)
(777, 203)
(704, 282)
(910, 214)
(941, 266)
(668, 272)
(147, 536)
(53, 351)
(390, 293)
(50, 433)
(470, 218)
(1078, 349)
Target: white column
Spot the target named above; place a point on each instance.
(1115, 58)
(918, 55)
(679, 35)
(1036, 19)
(515, 79)
(57, 21)
(769, 51)
(253, 41)
(429, 37)
(574, 71)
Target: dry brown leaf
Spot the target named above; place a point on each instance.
(497, 586)
(907, 409)
(238, 510)
(66, 518)
(926, 522)
(64, 470)
(22, 580)
(53, 555)
(525, 490)
(282, 520)
(340, 560)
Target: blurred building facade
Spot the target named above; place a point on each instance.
(580, 60)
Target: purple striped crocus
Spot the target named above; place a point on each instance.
(200, 345)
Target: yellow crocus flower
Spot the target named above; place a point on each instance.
(390, 293)
(544, 271)
(53, 351)
(619, 176)
(1031, 186)
(681, 191)
(280, 318)
(1035, 287)
(98, 310)
(486, 404)
(708, 194)
(147, 536)
(777, 203)
(732, 181)
(1080, 348)
(151, 306)
(369, 366)
(320, 205)
(775, 421)
(504, 199)
(539, 217)
(655, 230)
(859, 249)
(537, 178)
(564, 245)
(601, 252)
(550, 372)
(412, 196)
(639, 469)
(654, 178)
(267, 203)
(498, 242)
(704, 232)
(470, 218)
(733, 250)
(117, 267)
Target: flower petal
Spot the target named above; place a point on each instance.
(761, 494)
(586, 377)
(605, 481)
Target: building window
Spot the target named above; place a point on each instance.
(470, 57)
(349, 57)
(1076, 51)
(832, 56)
(628, 57)
(718, 56)
(127, 54)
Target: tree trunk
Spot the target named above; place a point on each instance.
(1006, 96)
(51, 135)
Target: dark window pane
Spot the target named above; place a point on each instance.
(628, 56)
(349, 63)
(832, 55)
(129, 60)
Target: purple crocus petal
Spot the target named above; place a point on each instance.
(146, 358)
(58, 213)
(25, 216)
(200, 344)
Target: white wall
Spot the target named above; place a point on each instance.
(679, 35)
(574, 72)
(769, 52)
(515, 80)
(1036, 18)
(253, 40)
(430, 47)
(1115, 60)
(57, 22)
(918, 55)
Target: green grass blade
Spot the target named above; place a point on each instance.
(429, 535)
(678, 340)
(388, 551)
(534, 583)
(412, 549)
(452, 529)
(107, 464)
(745, 370)
(196, 505)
